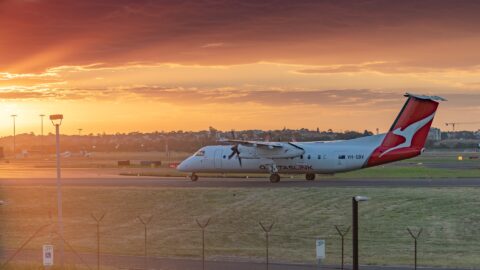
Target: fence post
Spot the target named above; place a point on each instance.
(267, 230)
(98, 220)
(415, 237)
(342, 235)
(203, 226)
(145, 223)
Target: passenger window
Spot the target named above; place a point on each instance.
(224, 156)
(200, 153)
(301, 157)
(308, 156)
(341, 157)
(319, 157)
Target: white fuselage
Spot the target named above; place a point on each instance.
(317, 157)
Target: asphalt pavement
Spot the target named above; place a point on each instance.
(180, 182)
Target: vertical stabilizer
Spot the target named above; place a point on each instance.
(406, 138)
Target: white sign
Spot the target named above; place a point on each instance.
(320, 249)
(47, 255)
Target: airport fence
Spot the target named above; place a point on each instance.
(122, 246)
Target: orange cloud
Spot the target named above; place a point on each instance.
(126, 64)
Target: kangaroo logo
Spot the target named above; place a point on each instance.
(408, 133)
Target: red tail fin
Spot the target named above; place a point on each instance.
(408, 133)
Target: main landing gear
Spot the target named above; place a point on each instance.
(193, 177)
(310, 176)
(274, 176)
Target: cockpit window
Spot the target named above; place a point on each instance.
(200, 153)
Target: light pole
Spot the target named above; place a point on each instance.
(41, 133)
(13, 117)
(355, 201)
(57, 121)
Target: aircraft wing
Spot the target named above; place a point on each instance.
(255, 143)
(268, 150)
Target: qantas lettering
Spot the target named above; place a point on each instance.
(291, 167)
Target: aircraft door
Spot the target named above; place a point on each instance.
(218, 159)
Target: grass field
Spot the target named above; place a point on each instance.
(449, 217)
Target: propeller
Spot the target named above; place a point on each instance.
(235, 152)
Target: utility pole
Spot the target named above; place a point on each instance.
(267, 230)
(14, 131)
(145, 223)
(203, 226)
(415, 237)
(57, 121)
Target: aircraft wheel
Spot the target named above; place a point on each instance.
(193, 177)
(310, 176)
(275, 178)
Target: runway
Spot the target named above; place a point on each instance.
(180, 182)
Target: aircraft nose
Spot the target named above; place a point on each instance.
(183, 166)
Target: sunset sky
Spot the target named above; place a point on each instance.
(120, 66)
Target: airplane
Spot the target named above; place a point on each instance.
(405, 139)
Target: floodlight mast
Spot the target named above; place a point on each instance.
(57, 121)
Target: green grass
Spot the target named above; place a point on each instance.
(449, 217)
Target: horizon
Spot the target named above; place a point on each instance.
(51, 133)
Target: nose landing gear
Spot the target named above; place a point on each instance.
(310, 176)
(275, 178)
(193, 177)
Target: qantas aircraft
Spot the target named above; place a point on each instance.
(405, 139)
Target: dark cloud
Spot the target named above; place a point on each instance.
(338, 98)
(348, 97)
(40, 34)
